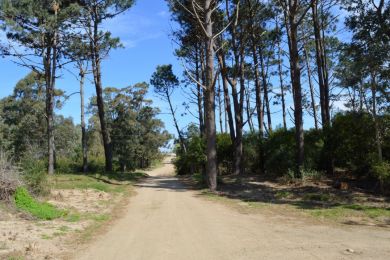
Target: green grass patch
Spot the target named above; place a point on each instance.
(317, 197)
(75, 217)
(350, 211)
(110, 182)
(282, 194)
(40, 210)
(46, 237)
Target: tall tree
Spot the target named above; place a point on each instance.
(165, 82)
(294, 13)
(41, 28)
(96, 12)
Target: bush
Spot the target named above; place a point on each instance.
(353, 142)
(279, 152)
(10, 178)
(252, 147)
(35, 175)
(193, 160)
(382, 172)
(224, 153)
(68, 165)
(45, 211)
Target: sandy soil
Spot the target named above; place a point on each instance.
(33, 239)
(167, 221)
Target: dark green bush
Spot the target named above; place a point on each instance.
(353, 142)
(252, 147)
(224, 153)
(193, 160)
(45, 211)
(279, 152)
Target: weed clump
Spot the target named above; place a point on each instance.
(44, 211)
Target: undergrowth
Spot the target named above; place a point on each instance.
(40, 210)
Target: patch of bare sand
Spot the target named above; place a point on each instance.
(33, 239)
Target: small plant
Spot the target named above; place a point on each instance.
(317, 197)
(311, 174)
(282, 194)
(382, 172)
(45, 211)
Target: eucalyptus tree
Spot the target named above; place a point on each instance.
(94, 14)
(37, 33)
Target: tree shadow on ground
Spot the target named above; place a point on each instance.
(310, 196)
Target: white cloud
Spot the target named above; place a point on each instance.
(133, 28)
(163, 14)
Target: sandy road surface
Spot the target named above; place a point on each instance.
(166, 221)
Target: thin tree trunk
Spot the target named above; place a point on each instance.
(49, 109)
(227, 97)
(265, 89)
(181, 139)
(374, 114)
(199, 93)
(220, 105)
(83, 126)
(313, 102)
(248, 108)
(280, 71)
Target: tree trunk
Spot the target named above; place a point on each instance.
(313, 102)
(83, 126)
(265, 89)
(227, 97)
(181, 139)
(211, 147)
(374, 115)
(220, 106)
(49, 107)
(199, 93)
(96, 67)
(280, 72)
(297, 89)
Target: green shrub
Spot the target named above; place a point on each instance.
(35, 175)
(45, 211)
(252, 148)
(193, 160)
(224, 153)
(382, 172)
(353, 142)
(68, 165)
(279, 152)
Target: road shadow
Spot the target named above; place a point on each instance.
(163, 183)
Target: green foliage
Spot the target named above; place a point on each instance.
(252, 149)
(195, 158)
(35, 175)
(44, 211)
(279, 152)
(224, 152)
(136, 132)
(381, 171)
(353, 141)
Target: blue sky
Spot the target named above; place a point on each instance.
(144, 31)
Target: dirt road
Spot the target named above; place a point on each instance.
(167, 221)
